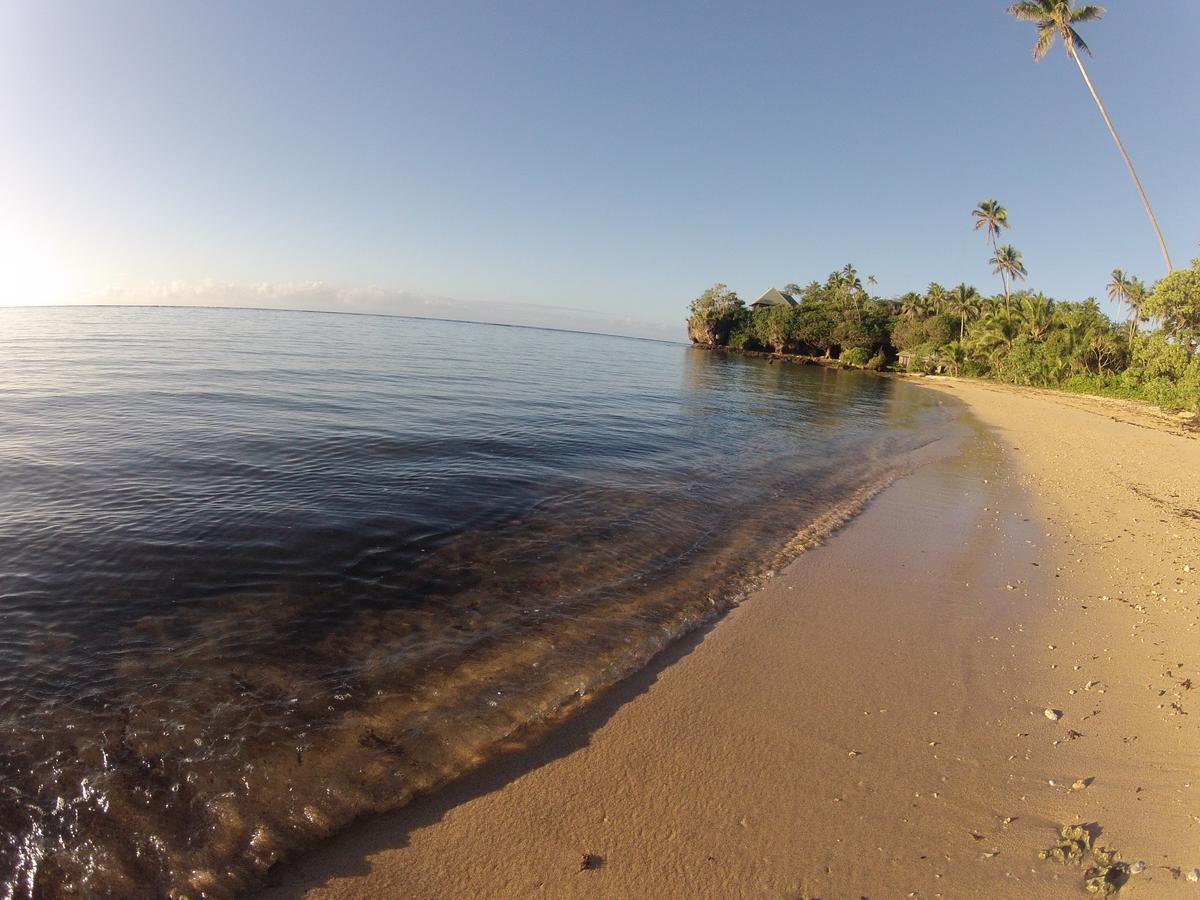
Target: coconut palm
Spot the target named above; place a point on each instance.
(935, 295)
(1120, 291)
(1118, 288)
(951, 358)
(1135, 299)
(997, 333)
(990, 217)
(1006, 262)
(912, 306)
(848, 276)
(965, 302)
(1037, 314)
(1057, 18)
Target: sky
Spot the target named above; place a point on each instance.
(589, 165)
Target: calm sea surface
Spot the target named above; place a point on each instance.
(261, 572)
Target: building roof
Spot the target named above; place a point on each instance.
(773, 297)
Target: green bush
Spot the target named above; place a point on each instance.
(855, 356)
(924, 357)
(941, 330)
(908, 333)
(742, 337)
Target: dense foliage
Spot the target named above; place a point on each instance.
(1026, 338)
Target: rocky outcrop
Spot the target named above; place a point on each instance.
(709, 332)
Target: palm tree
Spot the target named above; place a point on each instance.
(935, 294)
(1137, 297)
(991, 217)
(1121, 291)
(998, 333)
(1118, 288)
(1006, 262)
(912, 306)
(1057, 18)
(952, 357)
(965, 302)
(1037, 314)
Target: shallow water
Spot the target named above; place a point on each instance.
(262, 572)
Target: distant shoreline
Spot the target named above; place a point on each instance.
(1125, 409)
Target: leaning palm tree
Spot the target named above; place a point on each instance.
(965, 302)
(1057, 18)
(1006, 262)
(990, 217)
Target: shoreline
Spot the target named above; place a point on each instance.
(832, 744)
(1121, 408)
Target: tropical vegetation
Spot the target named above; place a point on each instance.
(1025, 338)
(1018, 336)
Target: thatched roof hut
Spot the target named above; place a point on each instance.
(773, 297)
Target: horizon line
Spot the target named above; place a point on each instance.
(341, 312)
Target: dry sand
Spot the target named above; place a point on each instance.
(871, 724)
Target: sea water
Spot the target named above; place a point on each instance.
(262, 572)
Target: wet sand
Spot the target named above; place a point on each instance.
(872, 722)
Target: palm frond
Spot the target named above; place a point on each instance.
(1089, 12)
(1045, 40)
(1029, 11)
(1078, 41)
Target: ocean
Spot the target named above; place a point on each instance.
(263, 572)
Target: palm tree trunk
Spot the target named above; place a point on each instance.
(1128, 162)
(1003, 279)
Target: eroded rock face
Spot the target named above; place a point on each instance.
(708, 333)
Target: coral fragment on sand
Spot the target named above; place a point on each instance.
(1105, 875)
(1074, 843)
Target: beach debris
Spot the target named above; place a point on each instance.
(590, 862)
(1193, 875)
(1072, 734)
(1082, 783)
(1105, 875)
(854, 753)
(1138, 867)
(1074, 843)
(1052, 714)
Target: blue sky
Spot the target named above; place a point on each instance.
(614, 158)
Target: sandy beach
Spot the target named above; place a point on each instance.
(874, 722)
